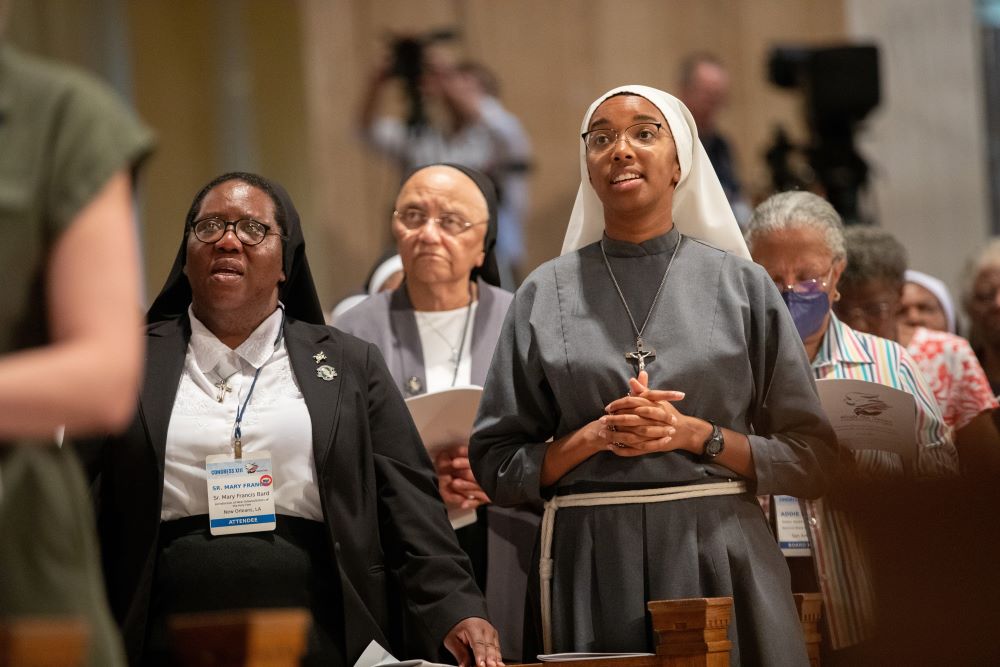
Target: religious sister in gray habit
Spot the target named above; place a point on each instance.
(646, 385)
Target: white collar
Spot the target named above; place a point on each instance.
(210, 352)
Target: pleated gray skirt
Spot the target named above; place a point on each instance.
(610, 560)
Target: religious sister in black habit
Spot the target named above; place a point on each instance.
(248, 395)
(646, 385)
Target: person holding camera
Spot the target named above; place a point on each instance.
(455, 117)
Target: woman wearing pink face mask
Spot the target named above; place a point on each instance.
(799, 238)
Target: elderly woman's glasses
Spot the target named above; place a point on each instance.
(640, 135)
(806, 287)
(451, 224)
(247, 230)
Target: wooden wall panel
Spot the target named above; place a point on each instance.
(553, 58)
(306, 63)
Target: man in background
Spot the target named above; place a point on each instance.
(465, 124)
(704, 89)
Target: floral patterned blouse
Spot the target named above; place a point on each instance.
(955, 377)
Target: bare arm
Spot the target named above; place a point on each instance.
(370, 98)
(87, 378)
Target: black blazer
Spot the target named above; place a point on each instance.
(387, 525)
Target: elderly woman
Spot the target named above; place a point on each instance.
(245, 383)
(654, 297)
(925, 303)
(871, 289)
(438, 330)
(799, 239)
(981, 299)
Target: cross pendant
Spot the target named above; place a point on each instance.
(223, 388)
(640, 355)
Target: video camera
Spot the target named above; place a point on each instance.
(841, 87)
(408, 63)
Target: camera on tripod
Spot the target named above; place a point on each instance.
(409, 63)
(840, 86)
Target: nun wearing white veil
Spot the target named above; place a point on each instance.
(646, 385)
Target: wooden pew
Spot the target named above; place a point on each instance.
(693, 633)
(810, 608)
(43, 642)
(689, 633)
(250, 638)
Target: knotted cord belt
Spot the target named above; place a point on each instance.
(639, 496)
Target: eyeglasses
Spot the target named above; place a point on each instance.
(877, 311)
(247, 230)
(985, 297)
(640, 135)
(450, 224)
(807, 287)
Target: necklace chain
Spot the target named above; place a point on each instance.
(456, 354)
(663, 281)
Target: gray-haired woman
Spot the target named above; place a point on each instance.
(798, 238)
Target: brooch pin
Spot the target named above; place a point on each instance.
(325, 372)
(319, 356)
(414, 386)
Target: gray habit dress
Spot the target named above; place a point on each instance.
(724, 337)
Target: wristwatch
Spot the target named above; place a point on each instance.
(715, 443)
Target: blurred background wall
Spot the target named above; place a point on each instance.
(273, 86)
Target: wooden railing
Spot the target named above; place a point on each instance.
(689, 633)
(43, 642)
(253, 638)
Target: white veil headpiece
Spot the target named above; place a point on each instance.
(700, 207)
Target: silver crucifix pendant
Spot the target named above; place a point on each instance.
(223, 388)
(640, 355)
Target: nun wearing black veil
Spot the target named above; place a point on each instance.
(438, 330)
(243, 377)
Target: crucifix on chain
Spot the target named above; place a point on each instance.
(640, 355)
(224, 388)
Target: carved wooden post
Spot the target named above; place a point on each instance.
(692, 632)
(252, 638)
(810, 608)
(43, 642)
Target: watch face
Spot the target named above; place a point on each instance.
(714, 445)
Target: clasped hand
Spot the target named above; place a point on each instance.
(646, 421)
(456, 483)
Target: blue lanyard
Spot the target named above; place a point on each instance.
(240, 411)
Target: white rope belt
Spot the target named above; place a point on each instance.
(610, 498)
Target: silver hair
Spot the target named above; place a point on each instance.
(988, 257)
(787, 210)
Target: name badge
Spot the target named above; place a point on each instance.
(793, 538)
(240, 493)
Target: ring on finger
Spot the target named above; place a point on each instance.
(619, 445)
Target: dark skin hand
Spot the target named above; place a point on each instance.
(646, 421)
(474, 643)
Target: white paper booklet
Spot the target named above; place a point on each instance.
(376, 656)
(570, 657)
(445, 418)
(868, 415)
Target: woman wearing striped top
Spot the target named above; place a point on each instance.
(799, 238)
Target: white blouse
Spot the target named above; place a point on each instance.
(440, 336)
(276, 420)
